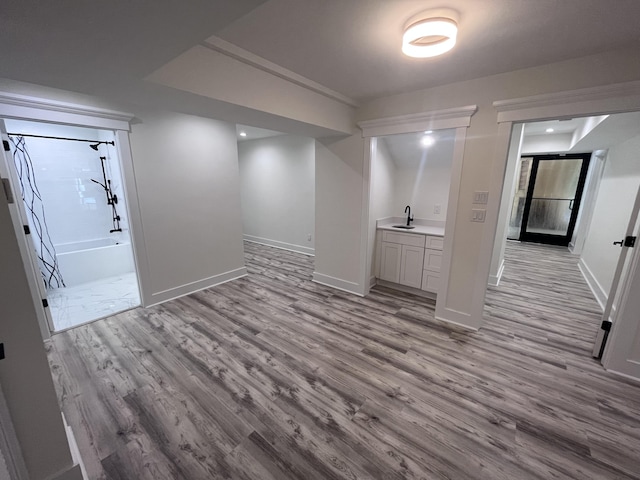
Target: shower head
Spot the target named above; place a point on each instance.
(97, 144)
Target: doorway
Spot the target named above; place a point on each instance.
(554, 193)
(582, 200)
(72, 208)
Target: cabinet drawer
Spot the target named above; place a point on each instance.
(432, 260)
(434, 243)
(430, 281)
(403, 238)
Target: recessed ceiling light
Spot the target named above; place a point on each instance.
(427, 141)
(549, 130)
(429, 37)
(428, 132)
(243, 134)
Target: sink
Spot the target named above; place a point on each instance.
(406, 227)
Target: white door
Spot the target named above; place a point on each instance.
(27, 250)
(622, 351)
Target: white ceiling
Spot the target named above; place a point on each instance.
(353, 47)
(106, 49)
(407, 151)
(559, 126)
(254, 133)
(614, 130)
(585, 134)
(94, 46)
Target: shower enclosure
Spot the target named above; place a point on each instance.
(74, 210)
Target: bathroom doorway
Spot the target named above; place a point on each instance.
(71, 201)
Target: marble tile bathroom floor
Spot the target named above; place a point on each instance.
(73, 306)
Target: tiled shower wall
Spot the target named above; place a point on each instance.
(76, 208)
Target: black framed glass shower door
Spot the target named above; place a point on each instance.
(553, 198)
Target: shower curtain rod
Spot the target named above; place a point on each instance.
(59, 138)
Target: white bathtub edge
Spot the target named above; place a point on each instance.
(192, 287)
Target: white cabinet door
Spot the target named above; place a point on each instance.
(430, 281)
(432, 260)
(411, 266)
(390, 262)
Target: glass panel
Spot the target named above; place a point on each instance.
(553, 195)
(550, 217)
(520, 195)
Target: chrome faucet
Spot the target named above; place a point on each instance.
(409, 217)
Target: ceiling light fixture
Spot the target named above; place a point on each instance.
(431, 34)
(549, 130)
(243, 134)
(428, 132)
(427, 141)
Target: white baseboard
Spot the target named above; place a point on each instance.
(75, 451)
(344, 285)
(73, 473)
(624, 375)
(457, 318)
(595, 287)
(372, 282)
(192, 287)
(282, 245)
(494, 280)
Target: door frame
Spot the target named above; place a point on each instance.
(547, 238)
(608, 99)
(453, 118)
(23, 107)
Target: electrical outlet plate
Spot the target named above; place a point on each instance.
(436, 209)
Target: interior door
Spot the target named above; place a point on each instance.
(553, 198)
(27, 249)
(622, 350)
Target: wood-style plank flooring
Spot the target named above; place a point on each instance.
(275, 377)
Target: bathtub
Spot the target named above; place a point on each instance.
(91, 260)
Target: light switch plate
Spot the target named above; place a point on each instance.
(478, 215)
(480, 198)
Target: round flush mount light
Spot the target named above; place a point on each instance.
(428, 132)
(549, 130)
(243, 134)
(430, 34)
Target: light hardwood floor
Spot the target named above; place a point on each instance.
(275, 377)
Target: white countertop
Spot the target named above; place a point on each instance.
(420, 229)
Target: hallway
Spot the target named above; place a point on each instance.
(544, 302)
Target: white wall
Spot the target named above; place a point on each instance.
(616, 196)
(340, 181)
(215, 75)
(277, 186)
(554, 143)
(506, 204)
(423, 182)
(75, 208)
(186, 171)
(381, 194)
(24, 373)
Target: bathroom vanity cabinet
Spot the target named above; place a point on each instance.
(410, 259)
